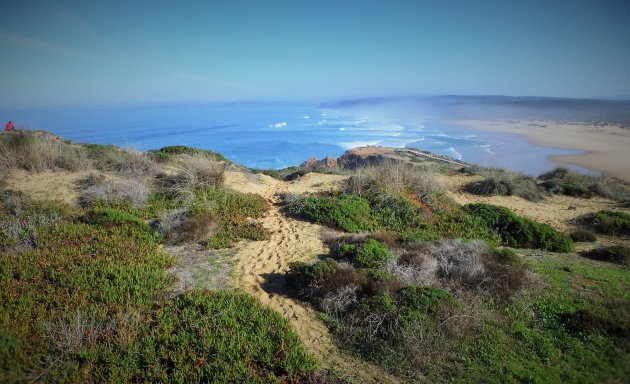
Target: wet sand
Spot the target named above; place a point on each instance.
(606, 147)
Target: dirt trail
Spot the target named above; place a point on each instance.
(261, 266)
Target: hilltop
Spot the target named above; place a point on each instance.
(383, 265)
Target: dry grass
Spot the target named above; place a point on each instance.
(395, 178)
(39, 151)
(188, 176)
(502, 182)
(133, 192)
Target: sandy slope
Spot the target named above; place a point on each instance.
(261, 266)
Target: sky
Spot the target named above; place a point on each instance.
(75, 53)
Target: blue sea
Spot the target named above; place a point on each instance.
(277, 135)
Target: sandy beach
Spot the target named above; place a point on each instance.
(606, 147)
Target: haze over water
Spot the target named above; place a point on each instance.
(277, 135)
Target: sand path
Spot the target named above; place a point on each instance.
(261, 266)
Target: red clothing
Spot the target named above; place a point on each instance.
(8, 127)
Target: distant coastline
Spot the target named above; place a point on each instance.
(605, 147)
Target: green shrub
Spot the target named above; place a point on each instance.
(519, 232)
(607, 222)
(168, 153)
(618, 254)
(346, 212)
(583, 235)
(372, 254)
(230, 204)
(220, 240)
(506, 256)
(301, 276)
(423, 299)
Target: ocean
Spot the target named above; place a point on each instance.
(277, 135)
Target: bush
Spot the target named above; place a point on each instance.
(519, 232)
(584, 236)
(230, 204)
(175, 151)
(133, 192)
(372, 254)
(39, 151)
(391, 179)
(422, 299)
(346, 212)
(503, 183)
(506, 256)
(606, 222)
(367, 254)
(566, 182)
(190, 176)
(617, 254)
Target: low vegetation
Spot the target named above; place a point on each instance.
(566, 182)
(618, 254)
(84, 291)
(612, 223)
(39, 151)
(166, 154)
(502, 182)
(520, 232)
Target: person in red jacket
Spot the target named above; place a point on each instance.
(9, 126)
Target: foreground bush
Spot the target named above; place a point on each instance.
(520, 232)
(220, 337)
(88, 301)
(612, 223)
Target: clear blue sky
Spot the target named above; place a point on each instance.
(65, 53)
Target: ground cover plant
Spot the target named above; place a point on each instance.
(84, 297)
(462, 311)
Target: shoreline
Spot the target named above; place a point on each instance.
(605, 148)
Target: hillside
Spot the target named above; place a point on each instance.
(383, 265)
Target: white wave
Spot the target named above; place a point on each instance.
(322, 122)
(456, 155)
(489, 151)
(481, 146)
(342, 129)
(358, 143)
(306, 117)
(279, 125)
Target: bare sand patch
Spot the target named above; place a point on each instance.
(606, 147)
(49, 185)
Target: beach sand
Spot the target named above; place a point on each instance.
(606, 147)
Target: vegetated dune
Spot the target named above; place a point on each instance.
(261, 267)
